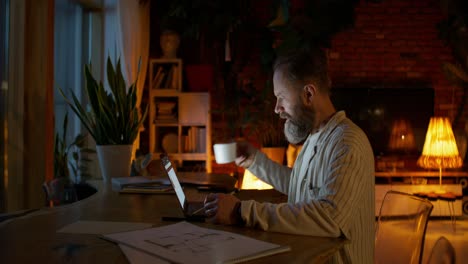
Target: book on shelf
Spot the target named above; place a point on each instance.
(166, 77)
(201, 142)
(175, 77)
(195, 140)
(167, 80)
(184, 242)
(156, 78)
(165, 120)
(166, 111)
(159, 80)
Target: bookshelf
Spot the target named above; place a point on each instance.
(180, 122)
(166, 74)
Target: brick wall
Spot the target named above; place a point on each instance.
(395, 43)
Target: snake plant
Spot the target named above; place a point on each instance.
(113, 117)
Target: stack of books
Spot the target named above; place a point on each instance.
(195, 140)
(166, 111)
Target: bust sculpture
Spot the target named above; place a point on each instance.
(169, 42)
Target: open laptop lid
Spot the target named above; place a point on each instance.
(174, 181)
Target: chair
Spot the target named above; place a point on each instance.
(442, 252)
(57, 192)
(401, 228)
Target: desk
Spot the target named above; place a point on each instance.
(33, 238)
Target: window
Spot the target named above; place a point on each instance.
(77, 41)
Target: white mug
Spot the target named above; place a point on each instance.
(225, 152)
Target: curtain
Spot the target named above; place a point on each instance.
(127, 37)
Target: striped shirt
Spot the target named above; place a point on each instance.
(330, 190)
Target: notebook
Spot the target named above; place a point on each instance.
(192, 210)
(184, 242)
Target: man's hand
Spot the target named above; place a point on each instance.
(245, 154)
(223, 209)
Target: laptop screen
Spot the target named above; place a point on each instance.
(173, 178)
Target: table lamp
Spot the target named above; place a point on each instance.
(440, 148)
(401, 137)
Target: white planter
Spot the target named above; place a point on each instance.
(114, 160)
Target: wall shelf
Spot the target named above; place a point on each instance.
(180, 121)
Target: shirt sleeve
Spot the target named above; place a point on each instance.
(330, 211)
(271, 172)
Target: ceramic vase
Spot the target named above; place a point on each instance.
(114, 160)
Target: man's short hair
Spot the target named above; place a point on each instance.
(305, 66)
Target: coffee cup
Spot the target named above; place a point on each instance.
(225, 152)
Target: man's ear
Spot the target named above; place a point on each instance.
(309, 93)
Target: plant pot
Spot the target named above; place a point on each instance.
(114, 160)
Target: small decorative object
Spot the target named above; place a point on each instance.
(440, 148)
(169, 41)
(140, 164)
(113, 119)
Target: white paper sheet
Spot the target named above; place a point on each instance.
(187, 243)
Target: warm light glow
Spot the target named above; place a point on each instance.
(440, 148)
(402, 136)
(250, 181)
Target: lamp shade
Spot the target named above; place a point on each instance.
(440, 148)
(402, 136)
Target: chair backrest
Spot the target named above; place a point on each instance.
(401, 228)
(442, 252)
(57, 193)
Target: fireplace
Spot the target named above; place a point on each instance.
(379, 110)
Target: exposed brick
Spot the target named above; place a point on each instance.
(371, 51)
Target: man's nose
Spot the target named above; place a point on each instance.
(278, 108)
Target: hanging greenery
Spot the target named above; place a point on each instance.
(275, 27)
(453, 30)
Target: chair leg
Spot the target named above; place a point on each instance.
(453, 219)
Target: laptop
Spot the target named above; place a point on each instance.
(192, 209)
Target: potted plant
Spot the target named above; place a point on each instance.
(113, 119)
(268, 127)
(62, 189)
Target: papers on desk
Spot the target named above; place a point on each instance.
(141, 184)
(119, 182)
(147, 188)
(187, 243)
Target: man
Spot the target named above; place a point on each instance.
(331, 186)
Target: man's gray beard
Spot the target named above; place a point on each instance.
(297, 131)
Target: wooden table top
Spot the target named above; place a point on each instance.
(402, 173)
(33, 238)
